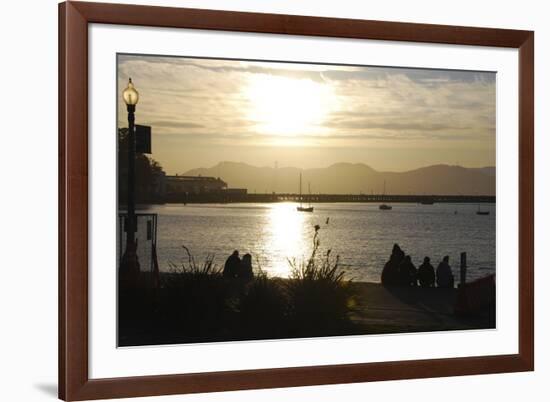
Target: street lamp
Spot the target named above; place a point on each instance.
(130, 95)
(129, 267)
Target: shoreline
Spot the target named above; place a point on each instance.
(266, 200)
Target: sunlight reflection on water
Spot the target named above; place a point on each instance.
(287, 235)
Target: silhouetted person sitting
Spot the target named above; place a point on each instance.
(407, 272)
(399, 254)
(390, 273)
(232, 265)
(245, 271)
(426, 274)
(445, 278)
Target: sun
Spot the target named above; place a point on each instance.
(284, 106)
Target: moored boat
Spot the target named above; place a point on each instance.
(301, 208)
(480, 212)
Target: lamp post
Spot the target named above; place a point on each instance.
(129, 268)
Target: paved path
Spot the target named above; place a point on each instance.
(382, 310)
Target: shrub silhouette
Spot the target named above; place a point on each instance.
(263, 307)
(197, 304)
(319, 298)
(193, 298)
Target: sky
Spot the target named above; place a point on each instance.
(205, 111)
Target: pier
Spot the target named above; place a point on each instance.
(221, 197)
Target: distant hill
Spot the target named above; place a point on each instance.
(355, 178)
(489, 170)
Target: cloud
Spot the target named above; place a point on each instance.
(202, 101)
(173, 124)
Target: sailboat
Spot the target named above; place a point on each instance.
(480, 212)
(301, 208)
(385, 207)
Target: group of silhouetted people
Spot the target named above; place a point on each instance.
(400, 271)
(237, 268)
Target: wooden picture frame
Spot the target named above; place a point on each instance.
(74, 381)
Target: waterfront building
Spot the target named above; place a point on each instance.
(177, 185)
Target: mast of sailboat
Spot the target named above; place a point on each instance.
(309, 191)
(300, 189)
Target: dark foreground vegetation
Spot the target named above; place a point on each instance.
(196, 303)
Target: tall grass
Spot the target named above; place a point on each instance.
(263, 308)
(207, 269)
(193, 297)
(320, 299)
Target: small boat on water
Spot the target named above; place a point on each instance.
(301, 208)
(384, 207)
(480, 212)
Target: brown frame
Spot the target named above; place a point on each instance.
(74, 17)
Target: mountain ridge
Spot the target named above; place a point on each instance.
(355, 178)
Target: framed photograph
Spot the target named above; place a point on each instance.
(259, 200)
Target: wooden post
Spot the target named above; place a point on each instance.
(463, 267)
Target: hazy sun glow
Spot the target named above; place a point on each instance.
(287, 106)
